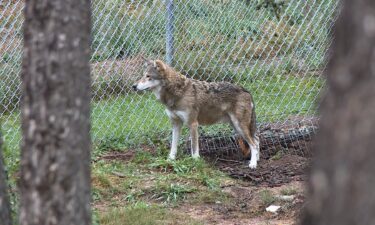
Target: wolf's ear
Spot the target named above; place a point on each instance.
(159, 65)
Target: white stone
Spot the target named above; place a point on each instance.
(273, 208)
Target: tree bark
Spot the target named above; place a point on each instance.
(342, 180)
(5, 210)
(55, 156)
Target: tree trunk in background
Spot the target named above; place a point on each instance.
(5, 210)
(342, 186)
(55, 156)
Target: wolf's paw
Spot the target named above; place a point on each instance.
(171, 157)
(253, 164)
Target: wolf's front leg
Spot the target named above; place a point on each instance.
(175, 137)
(194, 140)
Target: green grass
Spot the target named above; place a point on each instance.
(168, 193)
(144, 214)
(267, 197)
(160, 180)
(128, 119)
(145, 192)
(289, 191)
(10, 127)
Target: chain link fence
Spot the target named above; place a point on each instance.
(274, 48)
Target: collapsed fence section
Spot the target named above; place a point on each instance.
(274, 48)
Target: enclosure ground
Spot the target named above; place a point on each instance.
(247, 206)
(139, 185)
(272, 173)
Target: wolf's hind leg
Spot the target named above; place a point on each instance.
(254, 147)
(244, 131)
(256, 141)
(194, 136)
(176, 132)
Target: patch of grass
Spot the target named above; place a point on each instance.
(184, 166)
(211, 197)
(107, 185)
(133, 196)
(196, 170)
(209, 181)
(288, 191)
(143, 157)
(153, 178)
(142, 213)
(10, 128)
(172, 192)
(127, 120)
(279, 96)
(267, 197)
(96, 194)
(277, 156)
(102, 181)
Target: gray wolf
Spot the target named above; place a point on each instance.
(193, 102)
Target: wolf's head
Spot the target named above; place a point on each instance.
(152, 77)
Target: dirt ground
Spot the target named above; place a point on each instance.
(248, 205)
(274, 176)
(270, 173)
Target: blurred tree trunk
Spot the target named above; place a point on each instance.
(342, 185)
(5, 210)
(55, 156)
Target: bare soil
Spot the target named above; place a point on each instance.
(246, 206)
(272, 172)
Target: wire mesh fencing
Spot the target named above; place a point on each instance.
(274, 48)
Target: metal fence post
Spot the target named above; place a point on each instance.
(170, 32)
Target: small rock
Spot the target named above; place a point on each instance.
(287, 198)
(273, 208)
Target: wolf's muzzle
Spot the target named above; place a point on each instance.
(134, 87)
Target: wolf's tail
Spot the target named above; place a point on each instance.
(244, 146)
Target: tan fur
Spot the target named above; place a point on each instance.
(245, 149)
(195, 102)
